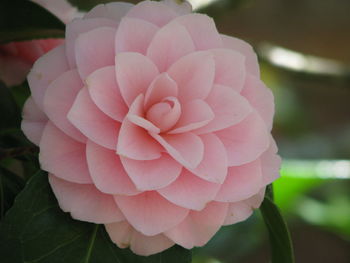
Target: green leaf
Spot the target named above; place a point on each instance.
(36, 230)
(280, 241)
(10, 115)
(25, 20)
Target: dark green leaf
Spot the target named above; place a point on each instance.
(21, 93)
(24, 20)
(36, 230)
(10, 115)
(280, 241)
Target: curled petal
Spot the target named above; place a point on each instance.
(270, 163)
(114, 11)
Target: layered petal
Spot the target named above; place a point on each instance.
(105, 93)
(149, 213)
(190, 191)
(63, 156)
(199, 226)
(85, 202)
(59, 99)
(114, 11)
(152, 174)
(46, 69)
(270, 163)
(134, 35)
(93, 123)
(241, 182)
(135, 73)
(125, 235)
(33, 121)
(194, 75)
(107, 172)
(229, 108)
(245, 141)
(169, 44)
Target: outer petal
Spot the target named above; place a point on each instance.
(241, 182)
(134, 35)
(135, 143)
(194, 75)
(156, 13)
(34, 121)
(93, 123)
(107, 172)
(63, 156)
(213, 167)
(229, 68)
(85, 202)
(135, 73)
(125, 235)
(186, 148)
(149, 213)
(46, 69)
(182, 8)
(251, 60)
(240, 211)
(59, 99)
(94, 50)
(270, 163)
(152, 174)
(202, 30)
(190, 192)
(80, 26)
(228, 106)
(169, 44)
(105, 93)
(114, 11)
(199, 226)
(261, 98)
(245, 141)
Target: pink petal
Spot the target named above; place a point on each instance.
(213, 167)
(63, 156)
(136, 115)
(85, 202)
(270, 163)
(134, 35)
(229, 68)
(169, 44)
(154, 12)
(149, 213)
(80, 26)
(59, 98)
(135, 73)
(107, 172)
(186, 148)
(261, 98)
(202, 30)
(240, 211)
(28, 50)
(135, 143)
(245, 141)
(181, 8)
(46, 69)
(199, 226)
(13, 70)
(189, 191)
(195, 114)
(94, 50)
(125, 235)
(34, 121)
(93, 123)
(228, 106)
(105, 93)
(241, 182)
(251, 60)
(161, 87)
(114, 11)
(194, 75)
(152, 174)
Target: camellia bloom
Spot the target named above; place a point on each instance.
(16, 58)
(152, 123)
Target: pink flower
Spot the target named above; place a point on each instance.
(16, 58)
(152, 123)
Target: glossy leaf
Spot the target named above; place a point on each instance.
(36, 230)
(280, 241)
